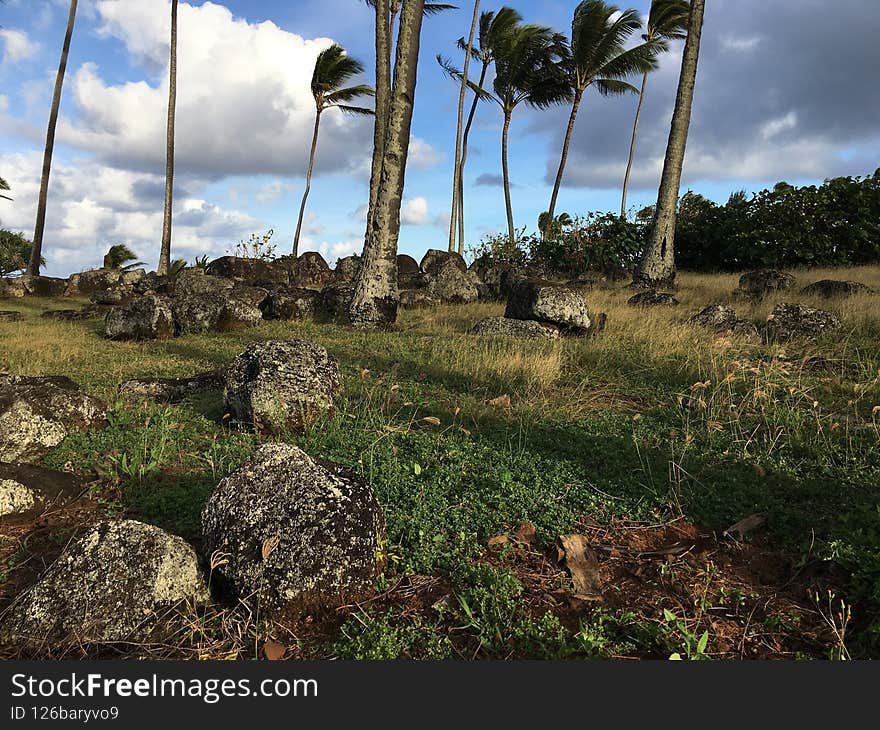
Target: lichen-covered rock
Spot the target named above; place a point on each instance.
(11, 317)
(335, 301)
(98, 280)
(796, 321)
(37, 414)
(409, 275)
(92, 311)
(195, 313)
(195, 282)
(291, 305)
(295, 533)
(145, 318)
(26, 491)
(242, 309)
(171, 390)
(418, 299)
(281, 384)
(310, 271)
(448, 283)
(759, 283)
(253, 272)
(43, 286)
(517, 328)
(12, 288)
(435, 260)
(120, 581)
(653, 299)
(829, 288)
(347, 269)
(715, 316)
(540, 301)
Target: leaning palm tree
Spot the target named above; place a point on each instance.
(165, 251)
(36, 259)
(4, 186)
(599, 58)
(657, 268)
(333, 69)
(667, 22)
(121, 257)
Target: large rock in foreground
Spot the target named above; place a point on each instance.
(37, 414)
(276, 385)
(517, 328)
(26, 491)
(118, 582)
(146, 318)
(448, 283)
(295, 533)
(540, 301)
(796, 321)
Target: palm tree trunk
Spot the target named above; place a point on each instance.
(456, 176)
(505, 168)
(575, 107)
(657, 268)
(165, 251)
(302, 207)
(464, 156)
(383, 101)
(632, 146)
(375, 300)
(33, 268)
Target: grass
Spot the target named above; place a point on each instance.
(635, 433)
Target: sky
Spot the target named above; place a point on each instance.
(786, 91)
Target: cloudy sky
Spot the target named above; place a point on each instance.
(786, 91)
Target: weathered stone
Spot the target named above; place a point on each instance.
(310, 271)
(195, 282)
(295, 533)
(43, 286)
(335, 301)
(92, 311)
(97, 280)
(37, 414)
(796, 321)
(11, 317)
(145, 318)
(418, 299)
(121, 581)
(276, 385)
(27, 491)
(723, 321)
(241, 309)
(254, 272)
(448, 283)
(757, 284)
(653, 299)
(152, 283)
(347, 269)
(533, 299)
(12, 288)
(171, 390)
(435, 260)
(407, 266)
(114, 296)
(194, 313)
(517, 328)
(291, 304)
(829, 288)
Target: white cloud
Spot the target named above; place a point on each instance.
(422, 156)
(332, 251)
(779, 125)
(17, 46)
(414, 212)
(731, 43)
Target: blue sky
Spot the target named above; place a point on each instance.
(784, 93)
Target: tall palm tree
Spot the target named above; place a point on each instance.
(333, 69)
(456, 175)
(165, 251)
(375, 300)
(36, 259)
(657, 268)
(667, 22)
(599, 32)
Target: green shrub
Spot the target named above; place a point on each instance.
(15, 250)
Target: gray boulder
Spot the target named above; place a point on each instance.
(11, 317)
(448, 283)
(92, 311)
(435, 260)
(541, 301)
(12, 288)
(291, 305)
(347, 269)
(796, 321)
(37, 414)
(242, 309)
(195, 282)
(418, 299)
(121, 581)
(756, 284)
(335, 301)
(829, 289)
(653, 299)
(295, 533)
(409, 275)
(43, 286)
(27, 491)
(310, 271)
(276, 385)
(251, 272)
(516, 328)
(195, 313)
(146, 318)
(723, 321)
(171, 390)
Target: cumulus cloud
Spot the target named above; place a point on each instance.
(414, 212)
(17, 46)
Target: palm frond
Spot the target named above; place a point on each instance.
(354, 110)
(333, 68)
(456, 75)
(343, 96)
(614, 87)
(668, 20)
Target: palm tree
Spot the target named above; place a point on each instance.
(599, 59)
(36, 259)
(375, 300)
(4, 186)
(667, 22)
(333, 69)
(121, 257)
(165, 251)
(657, 267)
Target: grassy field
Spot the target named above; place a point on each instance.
(650, 438)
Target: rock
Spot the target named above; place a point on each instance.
(253, 272)
(242, 309)
(194, 313)
(407, 268)
(12, 289)
(11, 317)
(335, 301)
(757, 284)
(518, 328)
(145, 318)
(152, 283)
(27, 491)
(281, 384)
(310, 271)
(723, 321)
(291, 304)
(347, 269)
(43, 286)
(418, 299)
(120, 581)
(195, 282)
(795, 321)
(434, 261)
(171, 390)
(114, 296)
(540, 301)
(98, 280)
(92, 311)
(653, 299)
(448, 283)
(829, 288)
(589, 280)
(37, 414)
(743, 328)
(296, 533)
